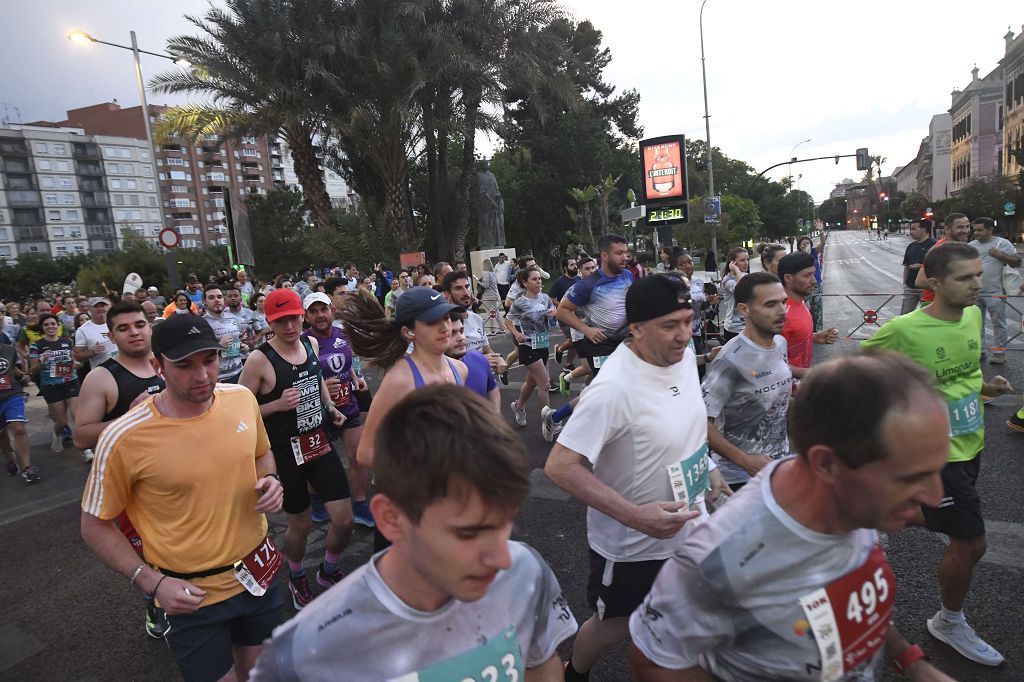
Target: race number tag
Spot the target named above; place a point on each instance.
(598, 360)
(500, 660)
(234, 349)
(850, 616)
(540, 340)
(965, 415)
(690, 478)
(257, 570)
(5, 381)
(344, 395)
(310, 446)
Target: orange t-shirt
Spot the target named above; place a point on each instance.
(927, 295)
(188, 485)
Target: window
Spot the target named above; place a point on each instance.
(75, 233)
(71, 214)
(34, 248)
(118, 214)
(131, 184)
(4, 234)
(149, 185)
(43, 164)
(66, 183)
(67, 199)
(249, 152)
(115, 183)
(177, 175)
(5, 252)
(77, 248)
(61, 249)
(62, 166)
(53, 214)
(248, 139)
(47, 181)
(50, 199)
(58, 148)
(133, 200)
(110, 152)
(118, 199)
(125, 153)
(144, 155)
(161, 176)
(151, 201)
(40, 147)
(189, 243)
(174, 161)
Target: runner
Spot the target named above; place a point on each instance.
(253, 327)
(52, 357)
(945, 338)
(335, 357)
(957, 228)
(805, 245)
(601, 298)
(12, 414)
(229, 329)
(748, 386)
(796, 270)
(453, 598)
(92, 339)
(480, 378)
(193, 470)
(108, 393)
(913, 258)
(391, 299)
(570, 275)
(737, 267)
(457, 289)
(529, 320)
(789, 581)
(288, 382)
(587, 267)
(996, 254)
(618, 455)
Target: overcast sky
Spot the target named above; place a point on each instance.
(847, 75)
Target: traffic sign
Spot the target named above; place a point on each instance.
(870, 316)
(1009, 208)
(169, 238)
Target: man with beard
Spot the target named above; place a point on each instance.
(228, 329)
(796, 271)
(957, 229)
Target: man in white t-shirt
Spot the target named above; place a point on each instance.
(789, 581)
(636, 453)
(452, 598)
(996, 253)
(92, 342)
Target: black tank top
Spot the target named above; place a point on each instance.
(129, 387)
(309, 415)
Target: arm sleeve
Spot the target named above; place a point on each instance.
(718, 386)
(80, 340)
(681, 617)
(553, 622)
(595, 421)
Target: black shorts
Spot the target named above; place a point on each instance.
(55, 393)
(528, 356)
(959, 513)
(590, 351)
(325, 474)
(365, 399)
(616, 588)
(351, 422)
(201, 642)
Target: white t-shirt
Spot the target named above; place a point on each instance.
(361, 630)
(730, 600)
(90, 335)
(631, 423)
(473, 327)
(992, 269)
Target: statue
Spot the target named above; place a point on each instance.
(490, 209)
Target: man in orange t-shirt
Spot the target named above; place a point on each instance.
(958, 229)
(796, 271)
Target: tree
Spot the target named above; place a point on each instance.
(833, 211)
(583, 213)
(34, 270)
(260, 62)
(278, 224)
(740, 222)
(913, 207)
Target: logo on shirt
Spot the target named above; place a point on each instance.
(801, 627)
(338, 343)
(760, 375)
(675, 390)
(940, 353)
(4, 365)
(973, 345)
(241, 427)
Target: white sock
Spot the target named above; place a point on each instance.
(952, 616)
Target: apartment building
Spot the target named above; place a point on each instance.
(1012, 64)
(283, 172)
(977, 122)
(63, 191)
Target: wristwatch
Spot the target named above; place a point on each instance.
(911, 654)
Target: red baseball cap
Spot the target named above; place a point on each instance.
(282, 303)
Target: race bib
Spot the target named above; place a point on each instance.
(540, 340)
(344, 395)
(500, 660)
(6, 381)
(234, 350)
(257, 570)
(310, 446)
(690, 478)
(60, 370)
(965, 415)
(598, 360)
(357, 365)
(850, 616)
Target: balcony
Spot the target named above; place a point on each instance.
(16, 165)
(24, 199)
(13, 148)
(216, 189)
(88, 168)
(171, 148)
(25, 182)
(95, 216)
(181, 216)
(85, 152)
(95, 200)
(29, 234)
(252, 178)
(101, 231)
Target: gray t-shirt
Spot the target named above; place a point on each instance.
(473, 327)
(746, 391)
(731, 319)
(992, 276)
(232, 326)
(754, 595)
(361, 630)
(530, 314)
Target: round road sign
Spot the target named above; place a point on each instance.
(870, 317)
(169, 238)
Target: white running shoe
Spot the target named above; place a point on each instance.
(519, 412)
(87, 455)
(962, 637)
(547, 424)
(56, 444)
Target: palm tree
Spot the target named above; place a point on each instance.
(257, 62)
(584, 217)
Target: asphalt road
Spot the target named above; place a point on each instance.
(68, 617)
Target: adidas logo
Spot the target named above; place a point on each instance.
(241, 427)
(193, 330)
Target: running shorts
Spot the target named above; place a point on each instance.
(959, 513)
(616, 588)
(325, 475)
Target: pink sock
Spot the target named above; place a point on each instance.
(331, 558)
(295, 566)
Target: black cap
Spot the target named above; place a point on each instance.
(654, 296)
(423, 304)
(182, 335)
(792, 263)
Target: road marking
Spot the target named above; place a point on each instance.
(40, 506)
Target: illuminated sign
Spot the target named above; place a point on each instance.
(663, 160)
(666, 213)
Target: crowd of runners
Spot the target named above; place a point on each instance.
(735, 495)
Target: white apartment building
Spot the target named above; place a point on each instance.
(283, 171)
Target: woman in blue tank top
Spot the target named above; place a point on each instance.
(422, 321)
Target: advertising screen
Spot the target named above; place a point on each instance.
(664, 171)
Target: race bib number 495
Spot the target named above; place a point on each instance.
(500, 660)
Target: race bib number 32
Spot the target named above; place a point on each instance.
(500, 660)
(850, 616)
(310, 446)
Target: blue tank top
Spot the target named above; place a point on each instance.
(418, 378)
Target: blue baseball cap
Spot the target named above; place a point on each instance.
(423, 304)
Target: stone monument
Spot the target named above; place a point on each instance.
(490, 209)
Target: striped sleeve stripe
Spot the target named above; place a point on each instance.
(93, 500)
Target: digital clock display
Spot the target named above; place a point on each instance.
(658, 215)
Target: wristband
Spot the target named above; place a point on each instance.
(910, 655)
(273, 475)
(138, 570)
(157, 586)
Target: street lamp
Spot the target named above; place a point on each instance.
(707, 130)
(83, 38)
(793, 158)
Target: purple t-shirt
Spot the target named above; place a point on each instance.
(480, 378)
(335, 356)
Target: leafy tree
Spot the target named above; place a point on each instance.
(34, 270)
(139, 255)
(833, 211)
(740, 223)
(278, 224)
(913, 206)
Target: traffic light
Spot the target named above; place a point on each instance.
(881, 196)
(863, 161)
(928, 212)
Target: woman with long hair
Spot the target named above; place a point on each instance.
(737, 265)
(530, 320)
(51, 359)
(181, 304)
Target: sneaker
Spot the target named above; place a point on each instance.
(87, 455)
(56, 444)
(997, 359)
(548, 428)
(962, 637)
(503, 378)
(362, 515)
(563, 383)
(552, 387)
(1014, 422)
(299, 587)
(519, 412)
(317, 509)
(12, 466)
(156, 621)
(328, 579)
(558, 355)
(66, 437)
(30, 474)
